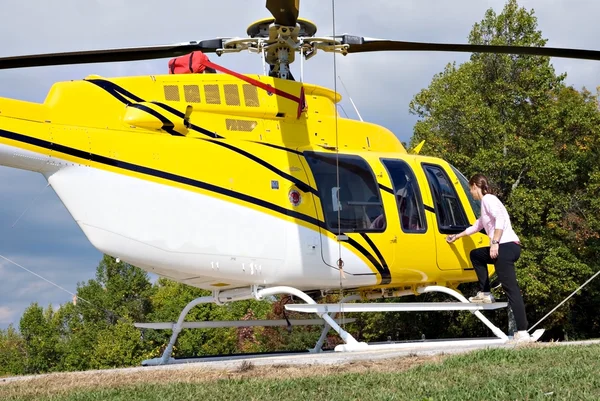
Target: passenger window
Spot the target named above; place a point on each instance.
(351, 203)
(449, 212)
(408, 196)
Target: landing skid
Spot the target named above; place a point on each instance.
(326, 313)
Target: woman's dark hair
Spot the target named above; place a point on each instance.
(481, 182)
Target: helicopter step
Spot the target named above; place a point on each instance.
(394, 307)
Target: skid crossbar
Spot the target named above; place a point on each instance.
(237, 323)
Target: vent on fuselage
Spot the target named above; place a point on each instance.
(191, 93)
(250, 95)
(232, 94)
(212, 94)
(240, 125)
(172, 93)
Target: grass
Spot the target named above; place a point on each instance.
(536, 372)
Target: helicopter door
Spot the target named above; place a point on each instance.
(451, 219)
(350, 205)
(413, 248)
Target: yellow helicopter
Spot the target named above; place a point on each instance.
(251, 185)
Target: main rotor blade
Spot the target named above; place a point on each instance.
(285, 12)
(110, 55)
(359, 44)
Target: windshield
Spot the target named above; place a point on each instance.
(465, 184)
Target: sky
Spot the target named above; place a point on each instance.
(48, 242)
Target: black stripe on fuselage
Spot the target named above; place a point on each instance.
(386, 277)
(369, 256)
(429, 209)
(301, 185)
(386, 189)
(122, 94)
(116, 90)
(280, 148)
(168, 126)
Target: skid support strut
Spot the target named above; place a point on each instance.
(238, 294)
(347, 337)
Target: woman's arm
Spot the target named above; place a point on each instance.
(477, 226)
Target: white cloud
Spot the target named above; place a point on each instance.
(6, 315)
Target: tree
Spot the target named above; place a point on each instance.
(13, 354)
(98, 328)
(41, 337)
(513, 118)
(120, 290)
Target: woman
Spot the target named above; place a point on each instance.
(504, 251)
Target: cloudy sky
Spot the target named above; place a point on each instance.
(47, 241)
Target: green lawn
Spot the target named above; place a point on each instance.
(530, 373)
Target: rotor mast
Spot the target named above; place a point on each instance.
(280, 50)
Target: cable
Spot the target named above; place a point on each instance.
(340, 262)
(75, 296)
(43, 278)
(351, 101)
(565, 300)
(31, 204)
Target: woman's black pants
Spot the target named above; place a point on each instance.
(508, 254)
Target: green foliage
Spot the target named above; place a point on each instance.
(512, 118)
(12, 352)
(117, 346)
(41, 336)
(120, 290)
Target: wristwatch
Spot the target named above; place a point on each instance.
(494, 242)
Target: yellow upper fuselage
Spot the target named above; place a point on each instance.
(217, 135)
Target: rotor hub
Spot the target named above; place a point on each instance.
(260, 28)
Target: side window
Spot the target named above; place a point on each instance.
(476, 205)
(351, 201)
(449, 212)
(408, 196)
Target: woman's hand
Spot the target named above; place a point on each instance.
(451, 238)
(494, 251)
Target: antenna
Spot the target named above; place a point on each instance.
(349, 97)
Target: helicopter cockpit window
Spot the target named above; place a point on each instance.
(408, 196)
(465, 184)
(352, 203)
(449, 212)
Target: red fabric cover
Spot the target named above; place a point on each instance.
(194, 62)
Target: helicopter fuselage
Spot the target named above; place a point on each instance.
(218, 183)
